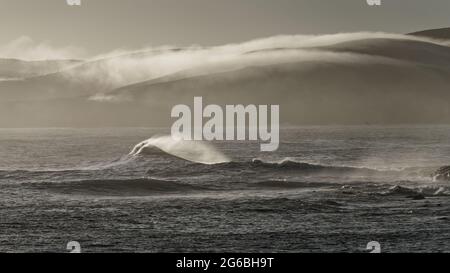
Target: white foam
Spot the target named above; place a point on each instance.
(195, 151)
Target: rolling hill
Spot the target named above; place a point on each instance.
(440, 33)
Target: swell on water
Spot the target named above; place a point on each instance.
(417, 192)
(288, 164)
(202, 159)
(117, 187)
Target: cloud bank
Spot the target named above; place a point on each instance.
(25, 48)
(348, 78)
(120, 68)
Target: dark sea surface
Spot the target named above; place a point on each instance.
(327, 189)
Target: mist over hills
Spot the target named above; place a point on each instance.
(354, 78)
(19, 69)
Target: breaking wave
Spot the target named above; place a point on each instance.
(194, 151)
(417, 192)
(288, 164)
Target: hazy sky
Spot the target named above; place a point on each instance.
(103, 25)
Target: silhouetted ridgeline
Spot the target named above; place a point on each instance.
(440, 33)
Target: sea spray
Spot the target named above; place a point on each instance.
(195, 151)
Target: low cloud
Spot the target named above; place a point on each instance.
(315, 80)
(103, 73)
(25, 48)
(108, 98)
(122, 67)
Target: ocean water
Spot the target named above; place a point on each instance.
(327, 189)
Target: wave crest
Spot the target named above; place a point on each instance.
(417, 192)
(194, 151)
